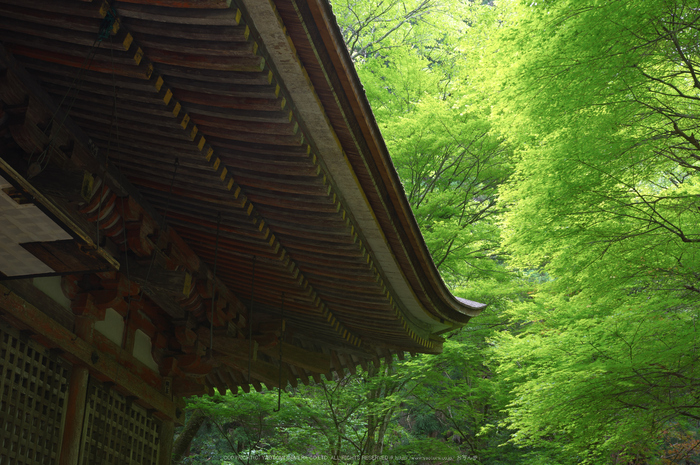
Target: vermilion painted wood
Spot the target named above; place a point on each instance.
(81, 352)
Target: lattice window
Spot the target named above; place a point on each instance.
(117, 432)
(33, 390)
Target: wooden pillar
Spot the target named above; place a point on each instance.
(73, 427)
(77, 396)
(167, 431)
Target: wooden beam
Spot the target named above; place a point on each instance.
(220, 4)
(316, 362)
(27, 291)
(228, 379)
(127, 361)
(62, 7)
(237, 103)
(197, 32)
(254, 127)
(16, 86)
(171, 307)
(63, 28)
(36, 15)
(218, 382)
(59, 213)
(186, 387)
(239, 379)
(65, 256)
(261, 371)
(341, 350)
(82, 44)
(235, 348)
(84, 354)
(244, 136)
(337, 365)
(302, 376)
(142, 71)
(349, 363)
(164, 287)
(205, 17)
(243, 88)
(184, 47)
(316, 377)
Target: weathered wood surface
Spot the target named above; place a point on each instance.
(261, 371)
(316, 362)
(65, 256)
(221, 4)
(152, 12)
(243, 153)
(166, 437)
(75, 413)
(80, 351)
(28, 292)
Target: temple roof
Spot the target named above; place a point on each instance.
(251, 164)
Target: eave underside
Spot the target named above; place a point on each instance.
(185, 104)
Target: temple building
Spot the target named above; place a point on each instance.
(194, 196)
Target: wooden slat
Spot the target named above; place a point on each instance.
(143, 70)
(82, 46)
(247, 136)
(166, 281)
(16, 31)
(296, 202)
(239, 103)
(261, 371)
(283, 186)
(248, 62)
(69, 7)
(248, 126)
(187, 31)
(104, 121)
(207, 17)
(234, 126)
(64, 76)
(65, 256)
(310, 242)
(184, 189)
(154, 113)
(102, 90)
(155, 45)
(316, 362)
(211, 75)
(263, 90)
(221, 4)
(31, 21)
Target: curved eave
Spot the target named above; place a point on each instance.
(199, 130)
(386, 220)
(207, 115)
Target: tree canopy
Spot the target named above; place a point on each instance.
(549, 151)
(601, 103)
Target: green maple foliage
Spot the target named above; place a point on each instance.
(602, 103)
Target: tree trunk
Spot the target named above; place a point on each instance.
(379, 447)
(188, 433)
